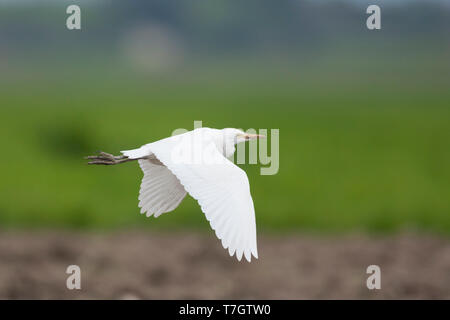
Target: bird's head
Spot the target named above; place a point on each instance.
(238, 136)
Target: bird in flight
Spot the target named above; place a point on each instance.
(196, 162)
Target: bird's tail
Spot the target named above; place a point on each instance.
(138, 153)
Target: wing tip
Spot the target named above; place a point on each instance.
(247, 253)
(145, 211)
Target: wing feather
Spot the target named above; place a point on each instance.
(160, 190)
(222, 191)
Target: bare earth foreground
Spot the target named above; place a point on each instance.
(149, 265)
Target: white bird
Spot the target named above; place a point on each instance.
(196, 162)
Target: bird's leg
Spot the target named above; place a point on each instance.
(107, 159)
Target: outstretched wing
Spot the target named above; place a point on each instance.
(160, 190)
(220, 187)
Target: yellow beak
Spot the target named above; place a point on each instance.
(249, 136)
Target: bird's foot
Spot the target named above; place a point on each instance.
(106, 159)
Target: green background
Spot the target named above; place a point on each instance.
(364, 131)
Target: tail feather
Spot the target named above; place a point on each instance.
(138, 153)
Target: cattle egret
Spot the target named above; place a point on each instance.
(196, 162)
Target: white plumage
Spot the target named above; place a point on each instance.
(196, 162)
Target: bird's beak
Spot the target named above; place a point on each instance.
(249, 136)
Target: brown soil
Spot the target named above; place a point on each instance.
(149, 265)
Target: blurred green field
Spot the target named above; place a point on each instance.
(356, 152)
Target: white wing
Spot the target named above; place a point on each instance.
(160, 190)
(221, 189)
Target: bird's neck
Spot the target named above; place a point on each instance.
(225, 146)
(228, 148)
